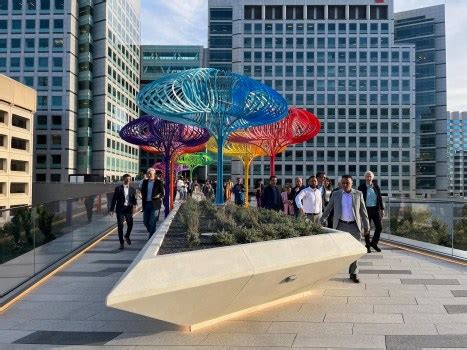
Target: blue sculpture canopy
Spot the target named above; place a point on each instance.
(219, 101)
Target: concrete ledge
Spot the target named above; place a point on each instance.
(200, 287)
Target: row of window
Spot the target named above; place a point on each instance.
(53, 177)
(31, 25)
(361, 141)
(31, 5)
(16, 143)
(16, 120)
(319, 28)
(15, 165)
(31, 64)
(42, 141)
(29, 44)
(312, 155)
(113, 145)
(348, 99)
(117, 164)
(45, 101)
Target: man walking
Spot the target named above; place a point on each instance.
(374, 206)
(124, 199)
(320, 176)
(312, 205)
(296, 190)
(350, 215)
(272, 198)
(239, 192)
(152, 193)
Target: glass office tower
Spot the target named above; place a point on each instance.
(457, 153)
(339, 61)
(425, 27)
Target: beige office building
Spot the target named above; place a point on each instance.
(17, 108)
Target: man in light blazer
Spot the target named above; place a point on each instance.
(350, 215)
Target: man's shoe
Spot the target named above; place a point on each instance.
(121, 247)
(354, 278)
(375, 247)
(128, 240)
(368, 250)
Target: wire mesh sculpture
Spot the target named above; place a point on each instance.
(195, 160)
(219, 101)
(299, 126)
(245, 152)
(178, 168)
(168, 137)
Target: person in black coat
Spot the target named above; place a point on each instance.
(272, 198)
(295, 190)
(124, 202)
(152, 194)
(374, 206)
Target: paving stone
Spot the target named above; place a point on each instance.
(241, 339)
(357, 292)
(342, 341)
(347, 308)
(435, 318)
(83, 274)
(430, 281)
(67, 338)
(311, 328)
(459, 293)
(363, 318)
(124, 261)
(160, 338)
(60, 325)
(382, 300)
(456, 309)
(139, 326)
(456, 328)
(409, 309)
(385, 272)
(365, 263)
(371, 257)
(396, 329)
(9, 336)
(420, 293)
(425, 341)
(240, 327)
(442, 301)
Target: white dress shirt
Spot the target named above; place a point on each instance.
(347, 213)
(312, 202)
(126, 191)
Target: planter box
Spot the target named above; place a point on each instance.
(202, 287)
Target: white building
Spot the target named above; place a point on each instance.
(337, 59)
(83, 59)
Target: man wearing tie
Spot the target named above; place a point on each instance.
(272, 198)
(124, 199)
(312, 204)
(350, 215)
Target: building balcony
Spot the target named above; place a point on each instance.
(85, 20)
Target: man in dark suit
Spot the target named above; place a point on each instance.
(272, 196)
(152, 193)
(350, 215)
(124, 199)
(374, 206)
(298, 187)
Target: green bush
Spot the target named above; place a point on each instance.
(44, 223)
(225, 238)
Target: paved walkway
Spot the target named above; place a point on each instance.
(405, 301)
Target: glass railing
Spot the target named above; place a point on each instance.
(33, 238)
(436, 225)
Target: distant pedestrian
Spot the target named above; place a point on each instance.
(287, 200)
(228, 186)
(375, 208)
(327, 191)
(238, 191)
(259, 194)
(124, 200)
(296, 190)
(272, 196)
(152, 193)
(320, 176)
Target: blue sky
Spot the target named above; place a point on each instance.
(184, 22)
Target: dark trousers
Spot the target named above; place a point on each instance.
(373, 215)
(125, 214)
(355, 232)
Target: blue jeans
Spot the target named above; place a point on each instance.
(150, 218)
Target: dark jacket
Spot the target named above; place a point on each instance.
(272, 198)
(379, 198)
(158, 188)
(294, 193)
(118, 198)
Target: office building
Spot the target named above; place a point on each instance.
(83, 59)
(425, 27)
(17, 108)
(339, 60)
(457, 153)
(159, 60)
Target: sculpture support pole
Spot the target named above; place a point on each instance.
(272, 165)
(220, 170)
(167, 185)
(172, 183)
(246, 169)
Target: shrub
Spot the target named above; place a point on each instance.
(44, 223)
(225, 238)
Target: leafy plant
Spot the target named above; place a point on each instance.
(225, 238)
(44, 223)
(26, 221)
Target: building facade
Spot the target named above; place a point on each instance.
(338, 60)
(83, 59)
(457, 153)
(17, 108)
(159, 60)
(425, 27)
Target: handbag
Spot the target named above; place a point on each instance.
(157, 202)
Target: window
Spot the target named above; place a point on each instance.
(4, 5)
(19, 143)
(18, 165)
(19, 121)
(253, 12)
(16, 187)
(59, 4)
(55, 177)
(56, 102)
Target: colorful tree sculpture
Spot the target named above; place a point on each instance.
(167, 136)
(195, 160)
(178, 168)
(299, 126)
(245, 152)
(219, 101)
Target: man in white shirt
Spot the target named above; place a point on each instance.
(180, 187)
(309, 200)
(350, 215)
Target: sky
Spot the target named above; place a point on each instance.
(184, 22)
